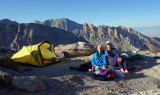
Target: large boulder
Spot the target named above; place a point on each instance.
(29, 83)
(76, 49)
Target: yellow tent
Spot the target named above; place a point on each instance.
(39, 55)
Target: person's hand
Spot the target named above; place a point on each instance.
(120, 59)
(122, 70)
(126, 72)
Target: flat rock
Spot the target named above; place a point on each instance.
(29, 83)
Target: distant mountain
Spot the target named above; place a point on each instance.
(31, 33)
(63, 23)
(7, 21)
(65, 31)
(153, 31)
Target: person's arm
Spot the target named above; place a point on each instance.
(116, 53)
(120, 64)
(118, 56)
(105, 58)
(93, 60)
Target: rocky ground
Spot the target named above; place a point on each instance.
(58, 79)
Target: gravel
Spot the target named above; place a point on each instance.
(60, 80)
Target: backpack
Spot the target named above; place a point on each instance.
(105, 75)
(107, 72)
(83, 67)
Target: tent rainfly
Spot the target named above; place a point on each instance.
(39, 55)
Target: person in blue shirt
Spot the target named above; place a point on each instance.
(115, 59)
(99, 58)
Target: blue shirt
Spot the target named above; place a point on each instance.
(99, 59)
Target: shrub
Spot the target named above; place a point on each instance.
(8, 63)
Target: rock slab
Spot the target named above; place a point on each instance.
(29, 83)
(76, 49)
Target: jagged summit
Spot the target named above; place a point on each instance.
(7, 21)
(63, 23)
(36, 21)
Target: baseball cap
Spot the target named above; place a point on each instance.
(108, 42)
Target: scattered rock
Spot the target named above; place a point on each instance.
(158, 54)
(148, 92)
(135, 51)
(153, 72)
(5, 78)
(158, 61)
(29, 83)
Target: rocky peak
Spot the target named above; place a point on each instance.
(115, 34)
(128, 29)
(109, 30)
(36, 21)
(104, 26)
(48, 22)
(91, 27)
(63, 23)
(7, 21)
(85, 27)
(121, 27)
(100, 29)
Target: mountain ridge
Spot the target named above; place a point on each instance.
(91, 33)
(31, 33)
(7, 21)
(125, 39)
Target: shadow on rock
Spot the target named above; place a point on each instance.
(65, 85)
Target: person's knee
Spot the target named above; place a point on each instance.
(124, 57)
(120, 59)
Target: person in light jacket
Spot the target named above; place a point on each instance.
(99, 59)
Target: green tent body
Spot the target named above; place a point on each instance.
(39, 55)
(134, 57)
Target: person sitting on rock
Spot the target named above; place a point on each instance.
(115, 59)
(99, 59)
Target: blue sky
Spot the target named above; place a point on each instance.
(128, 13)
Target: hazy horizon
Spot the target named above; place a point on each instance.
(150, 31)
